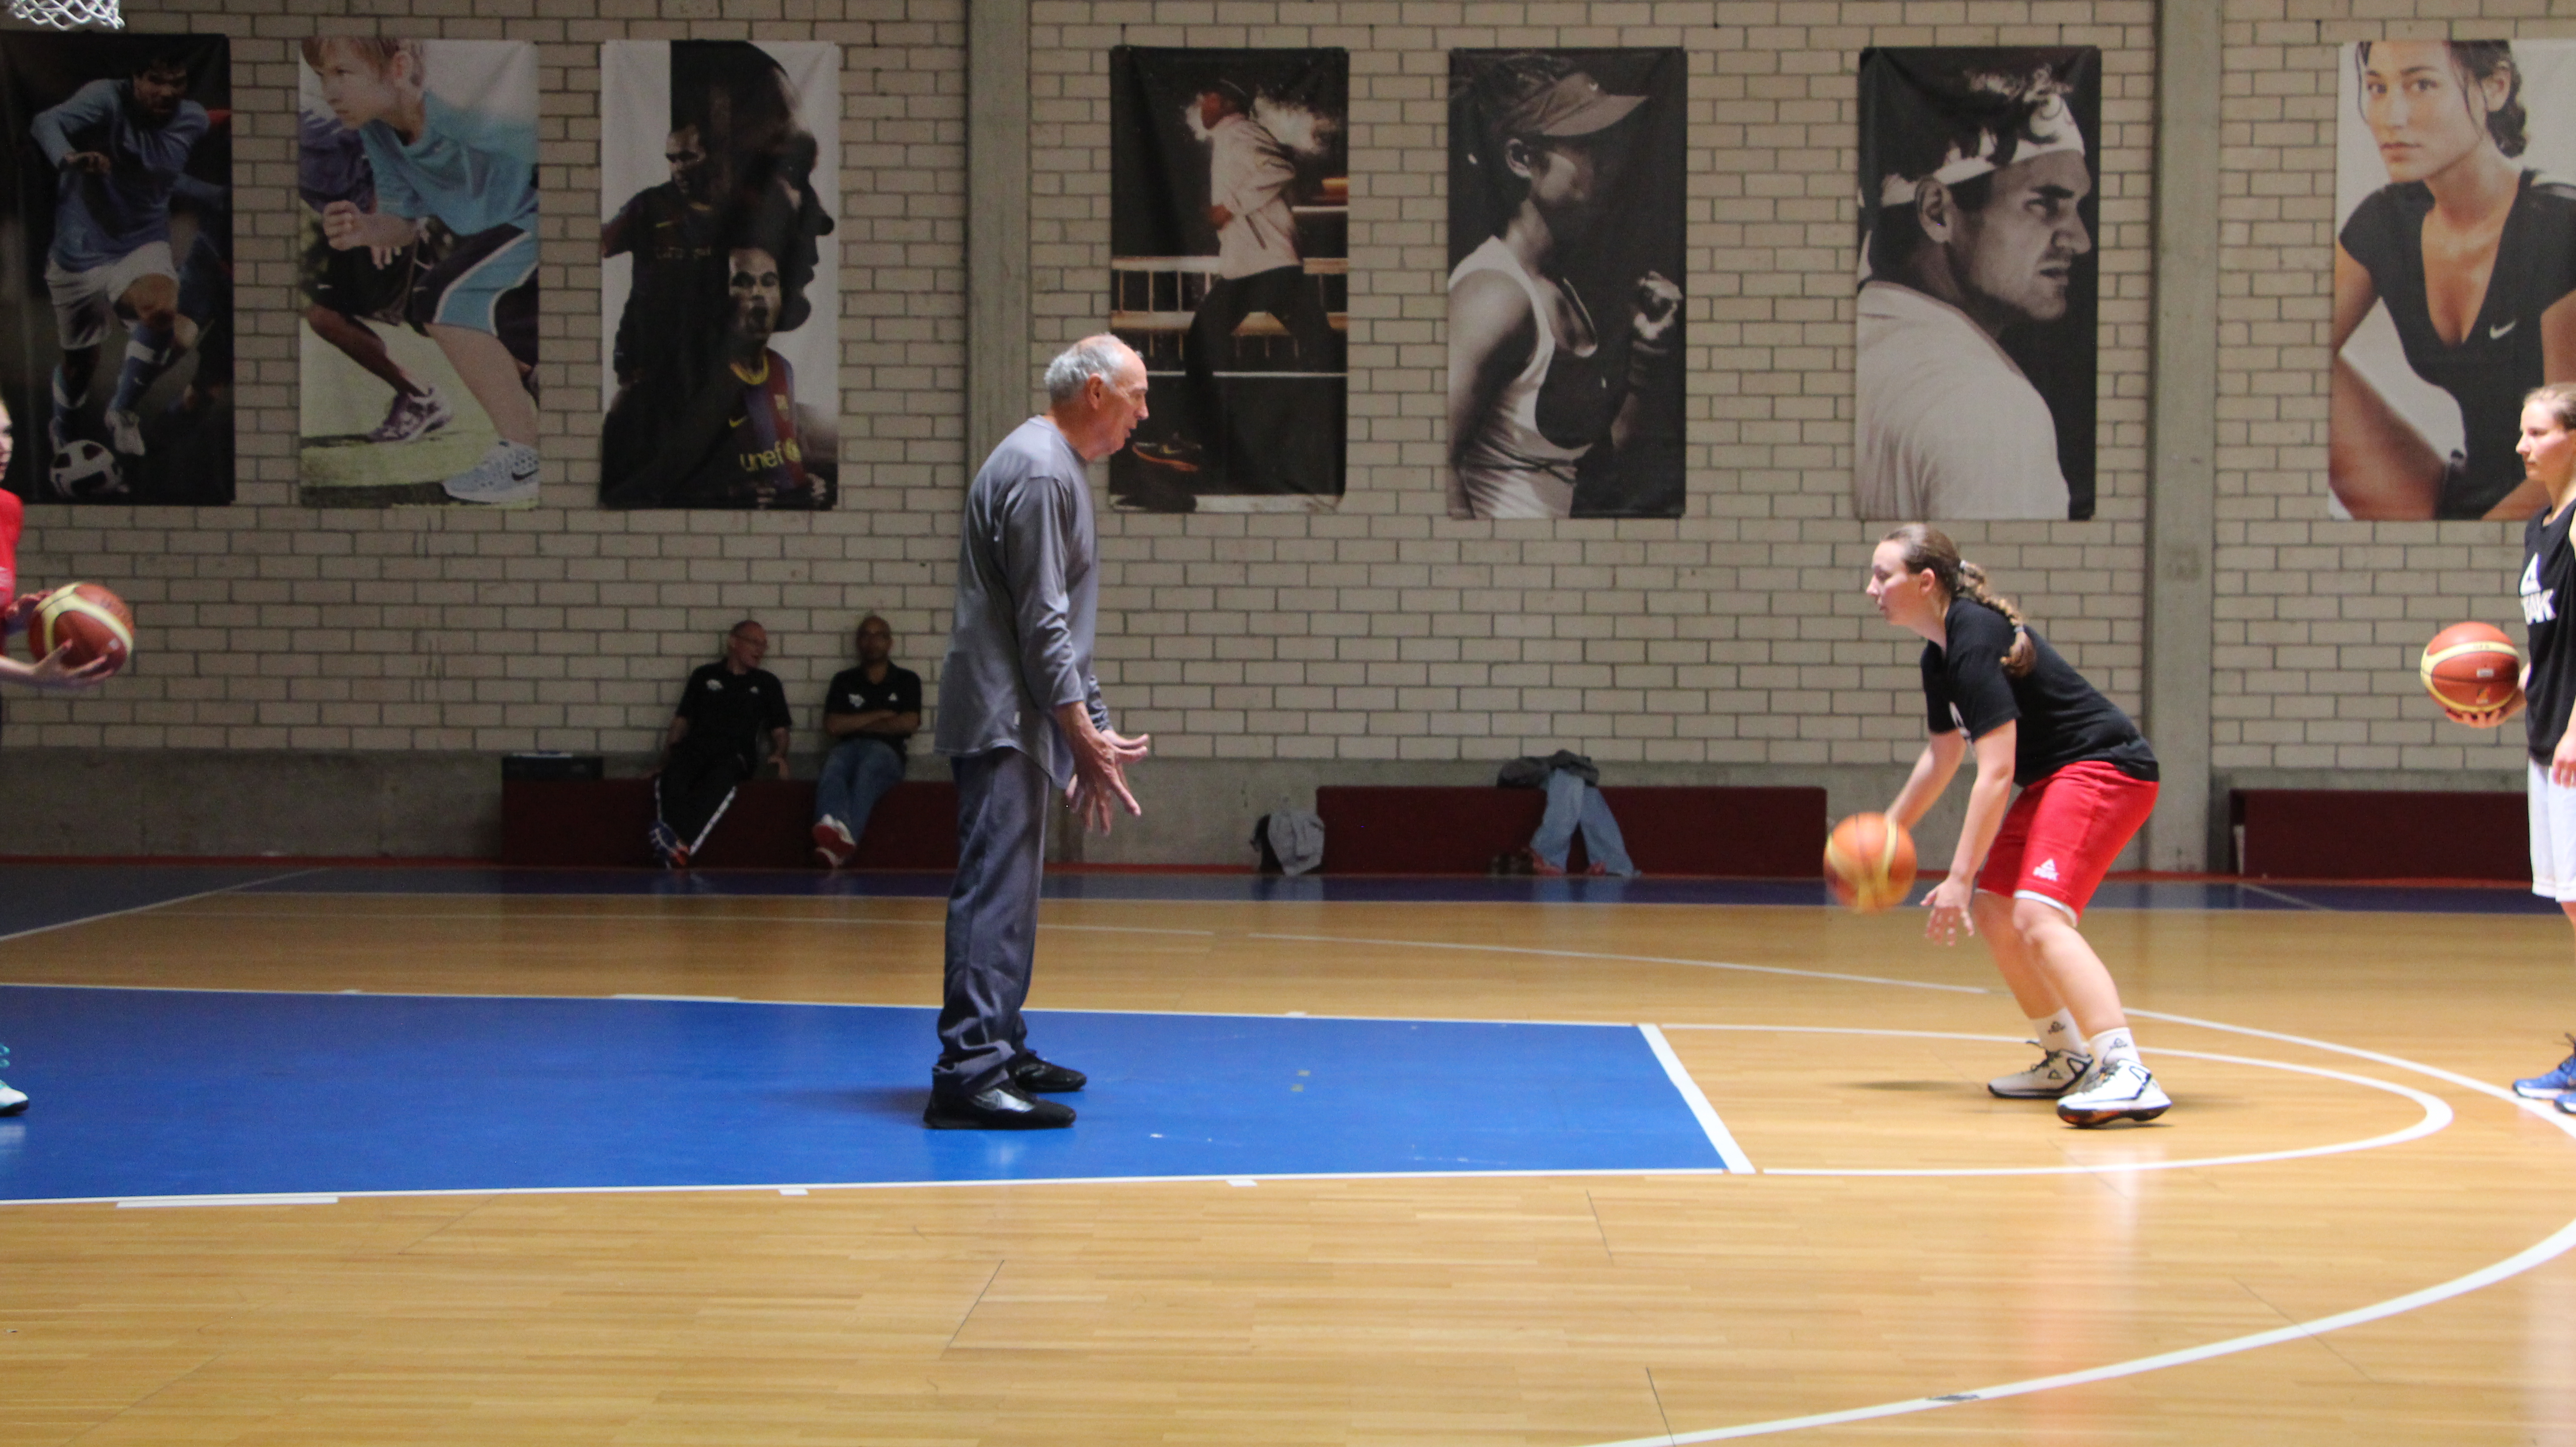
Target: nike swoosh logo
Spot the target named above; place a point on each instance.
(2495, 333)
(736, 421)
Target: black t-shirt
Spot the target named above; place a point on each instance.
(2499, 358)
(2063, 720)
(733, 710)
(2548, 580)
(852, 693)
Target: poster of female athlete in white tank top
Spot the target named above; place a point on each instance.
(1565, 296)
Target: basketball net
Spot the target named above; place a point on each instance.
(68, 14)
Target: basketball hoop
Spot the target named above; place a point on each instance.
(68, 14)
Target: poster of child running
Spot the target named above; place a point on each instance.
(116, 313)
(416, 165)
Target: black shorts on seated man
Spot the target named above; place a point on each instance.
(732, 722)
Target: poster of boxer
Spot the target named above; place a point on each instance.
(118, 362)
(1565, 283)
(416, 167)
(2454, 271)
(1229, 184)
(719, 289)
(1977, 299)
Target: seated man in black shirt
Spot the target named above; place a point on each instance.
(870, 710)
(732, 720)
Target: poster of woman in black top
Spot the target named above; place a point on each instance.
(2454, 271)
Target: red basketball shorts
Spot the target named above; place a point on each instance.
(2059, 838)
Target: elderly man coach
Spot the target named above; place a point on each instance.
(1020, 717)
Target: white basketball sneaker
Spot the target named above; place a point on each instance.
(2124, 1090)
(507, 474)
(2054, 1075)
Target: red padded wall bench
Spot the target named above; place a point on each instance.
(1760, 833)
(2381, 834)
(602, 822)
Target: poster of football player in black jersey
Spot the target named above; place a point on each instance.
(117, 358)
(720, 297)
(2454, 271)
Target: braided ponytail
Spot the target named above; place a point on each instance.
(1929, 547)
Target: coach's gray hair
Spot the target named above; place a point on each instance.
(1094, 356)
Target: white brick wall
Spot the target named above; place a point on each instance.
(2319, 623)
(1736, 634)
(272, 625)
(1387, 631)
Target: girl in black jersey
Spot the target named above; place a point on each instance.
(2088, 780)
(2548, 589)
(2474, 257)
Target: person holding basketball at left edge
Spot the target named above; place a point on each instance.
(51, 673)
(2088, 781)
(2548, 588)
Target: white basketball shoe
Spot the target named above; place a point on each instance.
(2121, 1090)
(507, 474)
(2054, 1075)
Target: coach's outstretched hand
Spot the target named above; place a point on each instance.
(1100, 760)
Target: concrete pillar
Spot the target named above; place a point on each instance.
(997, 224)
(2182, 424)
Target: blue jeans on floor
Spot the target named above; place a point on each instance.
(855, 777)
(1572, 802)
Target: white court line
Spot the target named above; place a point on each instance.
(2288, 899)
(142, 1203)
(1638, 959)
(1718, 1135)
(2540, 1253)
(2437, 1113)
(686, 999)
(157, 904)
(588, 916)
(782, 1187)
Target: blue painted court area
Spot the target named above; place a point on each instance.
(198, 1093)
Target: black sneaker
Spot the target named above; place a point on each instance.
(1044, 1077)
(999, 1106)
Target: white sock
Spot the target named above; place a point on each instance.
(2057, 1032)
(2114, 1046)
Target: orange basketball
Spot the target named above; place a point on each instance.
(94, 622)
(2472, 667)
(1869, 861)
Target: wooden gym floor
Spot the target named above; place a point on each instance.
(2345, 1232)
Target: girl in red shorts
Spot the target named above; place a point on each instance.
(2088, 780)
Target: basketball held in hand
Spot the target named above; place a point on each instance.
(88, 619)
(1869, 862)
(2474, 672)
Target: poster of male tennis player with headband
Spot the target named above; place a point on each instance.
(118, 363)
(1977, 298)
(1565, 283)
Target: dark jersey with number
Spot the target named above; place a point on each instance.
(2548, 591)
(2063, 720)
(898, 692)
(729, 711)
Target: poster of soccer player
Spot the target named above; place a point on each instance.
(1565, 283)
(719, 289)
(2454, 271)
(416, 165)
(116, 346)
(1977, 298)
(1229, 222)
